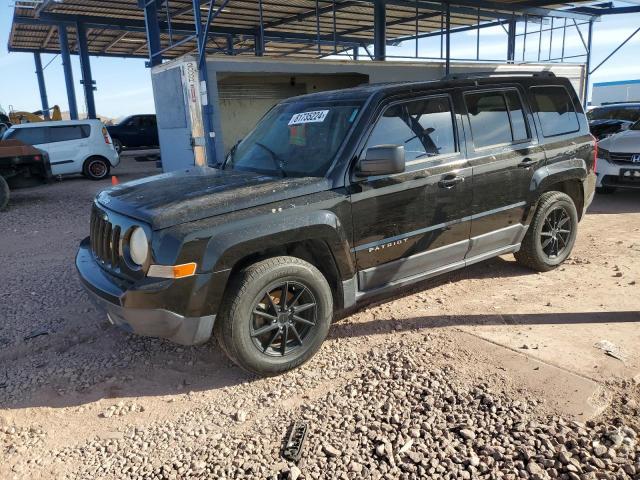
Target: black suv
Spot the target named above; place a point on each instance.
(336, 197)
(134, 131)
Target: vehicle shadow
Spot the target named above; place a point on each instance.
(622, 201)
(88, 359)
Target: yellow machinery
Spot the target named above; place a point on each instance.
(16, 117)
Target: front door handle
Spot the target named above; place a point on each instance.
(450, 181)
(527, 162)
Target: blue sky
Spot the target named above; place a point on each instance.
(124, 86)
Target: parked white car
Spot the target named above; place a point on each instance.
(619, 160)
(74, 146)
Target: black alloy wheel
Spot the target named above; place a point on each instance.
(283, 317)
(556, 232)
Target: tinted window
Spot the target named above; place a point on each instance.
(424, 127)
(516, 113)
(555, 110)
(630, 113)
(30, 136)
(489, 118)
(68, 132)
(148, 121)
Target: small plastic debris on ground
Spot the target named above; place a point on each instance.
(36, 333)
(611, 349)
(292, 450)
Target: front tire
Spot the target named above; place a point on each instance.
(96, 168)
(275, 315)
(552, 233)
(4, 193)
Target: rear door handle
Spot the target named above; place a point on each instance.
(527, 162)
(450, 181)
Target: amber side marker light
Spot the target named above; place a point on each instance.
(172, 271)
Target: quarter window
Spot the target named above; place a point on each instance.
(424, 127)
(555, 110)
(496, 118)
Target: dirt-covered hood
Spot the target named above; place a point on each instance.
(184, 196)
(623, 142)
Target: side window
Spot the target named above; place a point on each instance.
(133, 122)
(489, 118)
(68, 132)
(555, 110)
(424, 127)
(30, 136)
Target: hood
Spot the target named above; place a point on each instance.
(188, 195)
(627, 141)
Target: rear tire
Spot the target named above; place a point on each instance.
(606, 190)
(552, 233)
(265, 335)
(4, 193)
(96, 168)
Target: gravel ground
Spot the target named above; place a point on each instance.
(395, 392)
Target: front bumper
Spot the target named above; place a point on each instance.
(609, 174)
(114, 296)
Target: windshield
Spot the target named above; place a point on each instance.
(298, 139)
(629, 113)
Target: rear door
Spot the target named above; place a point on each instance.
(69, 144)
(504, 152)
(411, 223)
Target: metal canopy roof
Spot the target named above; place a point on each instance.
(295, 28)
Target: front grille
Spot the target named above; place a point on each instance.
(622, 157)
(105, 239)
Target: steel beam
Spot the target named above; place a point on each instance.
(447, 50)
(511, 41)
(152, 30)
(85, 69)
(379, 30)
(41, 86)
(587, 64)
(68, 72)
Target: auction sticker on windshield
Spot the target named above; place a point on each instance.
(309, 117)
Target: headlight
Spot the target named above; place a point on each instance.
(138, 246)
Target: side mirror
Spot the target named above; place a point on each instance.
(382, 160)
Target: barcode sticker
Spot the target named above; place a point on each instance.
(309, 117)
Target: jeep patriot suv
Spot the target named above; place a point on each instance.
(336, 197)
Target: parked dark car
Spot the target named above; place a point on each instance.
(612, 118)
(21, 165)
(338, 197)
(134, 131)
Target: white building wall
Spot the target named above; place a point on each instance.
(613, 92)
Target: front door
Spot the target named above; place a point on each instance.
(504, 155)
(410, 224)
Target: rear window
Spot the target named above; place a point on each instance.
(555, 110)
(629, 113)
(28, 135)
(496, 118)
(68, 132)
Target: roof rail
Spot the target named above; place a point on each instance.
(503, 73)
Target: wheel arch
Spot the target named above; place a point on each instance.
(317, 237)
(567, 177)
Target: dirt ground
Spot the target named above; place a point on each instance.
(72, 386)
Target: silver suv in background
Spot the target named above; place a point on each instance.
(73, 146)
(619, 161)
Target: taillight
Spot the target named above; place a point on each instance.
(105, 134)
(595, 153)
(37, 158)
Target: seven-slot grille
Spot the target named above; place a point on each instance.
(105, 238)
(622, 157)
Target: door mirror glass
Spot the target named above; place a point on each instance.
(382, 160)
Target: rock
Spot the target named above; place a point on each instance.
(294, 473)
(241, 416)
(330, 451)
(355, 467)
(467, 434)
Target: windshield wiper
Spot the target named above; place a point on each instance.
(274, 157)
